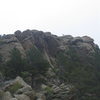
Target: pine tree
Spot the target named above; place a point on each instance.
(37, 64)
(15, 65)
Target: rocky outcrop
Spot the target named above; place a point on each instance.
(25, 92)
(66, 55)
(22, 92)
(59, 92)
(7, 43)
(87, 39)
(44, 41)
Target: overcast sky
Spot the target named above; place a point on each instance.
(74, 17)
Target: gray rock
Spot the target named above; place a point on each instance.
(40, 96)
(18, 80)
(13, 99)
(23, 93)
(22, 97)
(76, 40)
(21, 81)
(27, 91)
(87, 39)
(23, 90)
(7, 96)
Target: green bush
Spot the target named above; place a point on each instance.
(48, 89)
(49, 92)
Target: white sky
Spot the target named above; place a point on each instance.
(74, 17)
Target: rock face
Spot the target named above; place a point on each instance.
(75, 59)
(45, 41)
(7, 43)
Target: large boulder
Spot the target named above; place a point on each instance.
(21, 81)
(75, 40)
(87, 39)
(27, 91)
(41, 96)
(19, 89)
(22, 97)
(7, 96)
(13, 99)
(18, 83)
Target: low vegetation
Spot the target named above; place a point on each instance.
(13, 88)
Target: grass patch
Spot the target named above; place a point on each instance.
(13, 88)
